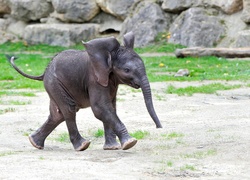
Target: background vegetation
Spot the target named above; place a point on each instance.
(161, 68)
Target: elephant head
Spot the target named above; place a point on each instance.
(108, 56)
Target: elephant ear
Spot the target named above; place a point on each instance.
(99, 51)
(129, 39)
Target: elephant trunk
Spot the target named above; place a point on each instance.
(146, 90)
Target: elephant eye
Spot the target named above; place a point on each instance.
(126, 70)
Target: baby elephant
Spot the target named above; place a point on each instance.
(77, 79)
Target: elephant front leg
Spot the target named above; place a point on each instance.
(114, 127)
(110, 138)
(104, 108)
(126, 140)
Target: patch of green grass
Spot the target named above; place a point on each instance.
(6, 153)
(25, 134)
(16, 102)
(118, 99)
(205, 89)
(170, 163)
(34, 60)
(188, 167)
(99, 133)
(135, 90)
(63, 137)
(159, 97)
(200, 154)
(33, 64)
(3, 111)
(201, 68)
(41, 158)
(17, 93)
(172, 135)
(139, 134)
(165, 164)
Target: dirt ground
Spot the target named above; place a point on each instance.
(204, 137)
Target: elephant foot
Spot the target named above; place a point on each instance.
(129, 143)
(35, 142)
(83, 145)
(114, 146)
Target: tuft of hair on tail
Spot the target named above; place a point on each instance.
(9, 57)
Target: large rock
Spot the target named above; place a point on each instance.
(118, 8)
(30, 10)
(196, 27)
(147, 21)
(75, 10)
(243, 39)
(4, 7)
(233, 24)
(60, 34)
(246, 11)
(227, 6)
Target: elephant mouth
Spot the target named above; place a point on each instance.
(134, 85)
(131, 84)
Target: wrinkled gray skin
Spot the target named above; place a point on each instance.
(77, 79)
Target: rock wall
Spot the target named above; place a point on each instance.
(203, 23)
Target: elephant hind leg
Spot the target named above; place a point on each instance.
(55, 118)
(69, 114)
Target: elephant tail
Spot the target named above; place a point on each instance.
(11, 59)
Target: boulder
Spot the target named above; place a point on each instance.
(246, 11)
(7, 37)
(107, 22)
(147, 21)
(196, 27)
(233, 24)
(118, 8)
(243, 39)
(4, 7)
(16, 27)
(3, 24)
(30, 10)
(75, 10)
(177, 6)
(50, 20)
(59, 34)
(227, 6)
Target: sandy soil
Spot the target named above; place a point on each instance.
(212, 139)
